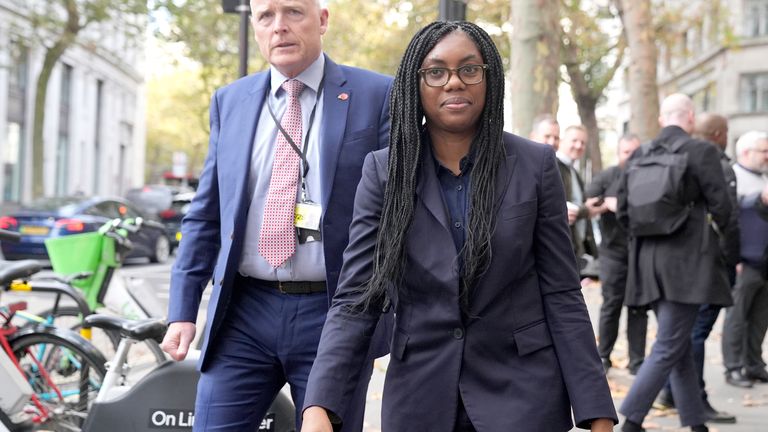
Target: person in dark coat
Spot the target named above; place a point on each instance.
(461, 229)
(546, 130)
(713, 128)
(613, 266)
(581, 210)
(677, 273)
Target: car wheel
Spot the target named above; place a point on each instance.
(161, 251)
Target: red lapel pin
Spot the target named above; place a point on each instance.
(343, 96)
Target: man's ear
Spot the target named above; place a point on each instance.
(323, 21)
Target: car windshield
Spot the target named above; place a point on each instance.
(62, 205)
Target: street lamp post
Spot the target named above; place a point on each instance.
(241, 7)
(453, 10)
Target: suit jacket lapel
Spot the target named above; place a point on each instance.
(504, 177)
(236, 160)
(428, 188)
(333, 124)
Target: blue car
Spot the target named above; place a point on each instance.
(60, 216)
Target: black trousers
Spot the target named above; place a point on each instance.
(613, 277)
(746, 322)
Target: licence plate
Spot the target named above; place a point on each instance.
(34, 230)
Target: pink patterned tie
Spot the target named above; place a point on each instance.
(277, 241)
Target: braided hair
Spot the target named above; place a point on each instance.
(405, 150)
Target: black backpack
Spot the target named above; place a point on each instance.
(655, 203)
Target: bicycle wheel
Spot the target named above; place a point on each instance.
(147, 352)
(64, 370)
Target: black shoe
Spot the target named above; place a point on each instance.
(737, 379)
(630, 426)
(721, 417)
(715, 416)
(759, 375)
(699, 428)
(606, 363)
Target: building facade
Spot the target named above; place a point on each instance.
(720, 59)
(94, 130)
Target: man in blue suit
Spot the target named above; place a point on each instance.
(270, 220)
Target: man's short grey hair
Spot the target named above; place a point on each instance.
(749, 141)
(542, 119)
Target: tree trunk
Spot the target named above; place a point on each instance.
(643, 89)
(587, 107)
(52, 55)
(535, 61)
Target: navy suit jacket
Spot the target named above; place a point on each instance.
(214, 228)
(525, 356)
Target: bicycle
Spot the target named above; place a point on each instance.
(164, 398)
(54, 374)
(88, 261)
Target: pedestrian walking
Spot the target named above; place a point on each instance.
(462, 230)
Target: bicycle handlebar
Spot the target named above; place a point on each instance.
(57, 287)
(9, 236)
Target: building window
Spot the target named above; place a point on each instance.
(62, 150)
(755, 18)
(754, 92)
(12, 155)
(704, 99)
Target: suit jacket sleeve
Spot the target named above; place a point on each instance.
(731, 237)
(347, 334)
(599, 184)
(709, 175)
(564, 306)
(200, 229)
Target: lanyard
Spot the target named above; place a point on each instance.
(301, 152)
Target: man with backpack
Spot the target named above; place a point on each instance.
(713, 128)
(672, 198)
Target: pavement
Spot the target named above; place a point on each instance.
(750, 406)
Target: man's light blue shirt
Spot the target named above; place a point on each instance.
(308, 263)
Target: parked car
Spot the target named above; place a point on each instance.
(171, 217)
(152, 199)
(60, 216)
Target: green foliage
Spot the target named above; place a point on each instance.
(593, 44)
(177, 120)
(209, 37)
(50, 18)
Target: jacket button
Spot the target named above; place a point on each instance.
(458, 333)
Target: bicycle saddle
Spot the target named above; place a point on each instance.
(135, 329)
(10, 270)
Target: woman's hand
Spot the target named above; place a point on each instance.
(599, 425)
(315, 419)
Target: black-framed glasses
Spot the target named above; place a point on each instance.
(470, 74)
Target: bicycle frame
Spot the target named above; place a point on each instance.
(6, 331)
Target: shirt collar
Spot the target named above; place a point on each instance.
(564, 158)
(311, 76)
(757, 173)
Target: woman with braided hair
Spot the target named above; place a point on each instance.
(461, 229)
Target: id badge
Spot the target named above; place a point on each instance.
(307, 215)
